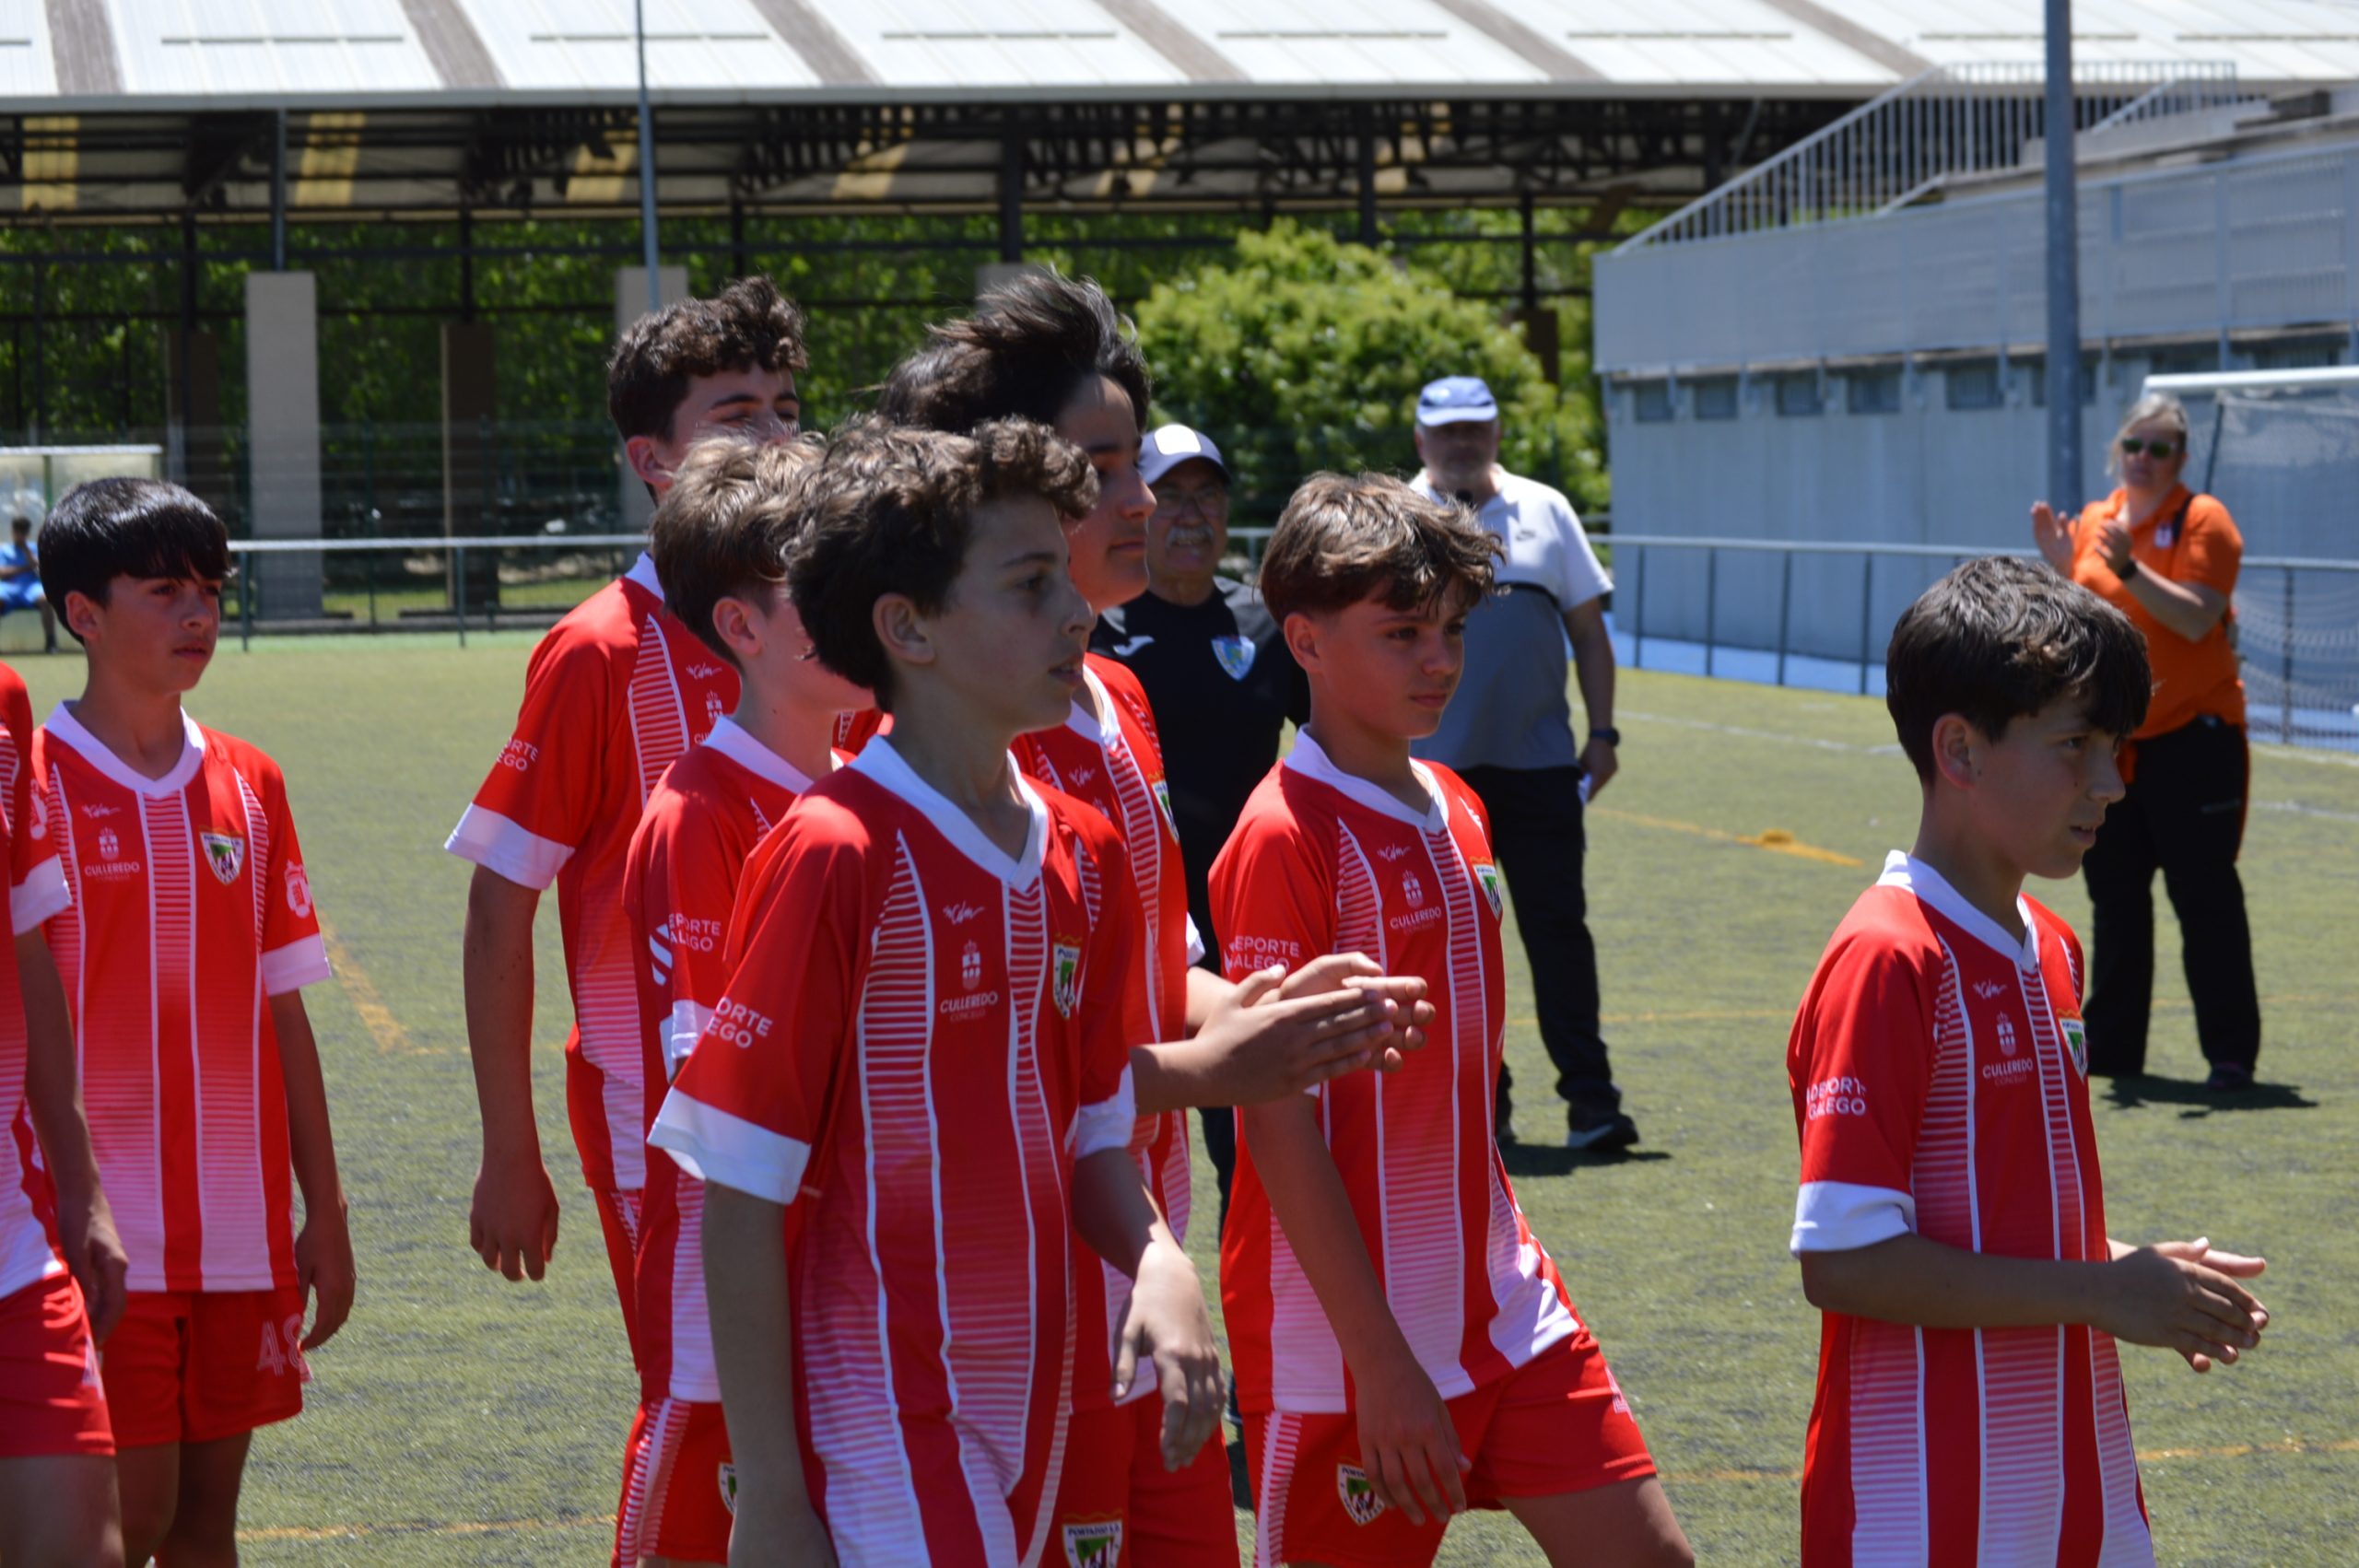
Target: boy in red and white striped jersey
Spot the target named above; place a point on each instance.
(1951, 1220)
(615, 693)
(1404, 1348)
(921, 1065)
(719, 540)
(184, 955)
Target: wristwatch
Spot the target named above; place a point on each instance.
(2128, 569)
(1607, 733)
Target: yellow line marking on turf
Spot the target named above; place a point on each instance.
(361, 991)
(1777, 840)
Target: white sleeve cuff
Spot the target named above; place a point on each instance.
(722, 1150)
(42, 894)
(1108, 1124)
(499, 845)
(1195, 943)
(681, 1032)
(1838, 1216)
(300, 963)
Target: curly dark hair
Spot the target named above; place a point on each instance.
(2000, 639)
(1343, 538)
(1031, 342)
(103, 528)
(747, 324)
(891, 510)
(724, 526)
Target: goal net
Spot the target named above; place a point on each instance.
(2280, 448)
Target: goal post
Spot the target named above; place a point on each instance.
(2281, 450)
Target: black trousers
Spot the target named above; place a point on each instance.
(1537, 832)
(2183, 816)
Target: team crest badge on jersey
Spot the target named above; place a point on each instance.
(1412, 889)
(1094, 1543)
(1236, 655)
(971, 966)
(1163, 799)
(1065, 985)
(1360, 1500)
(729, 1487)
(1487, 875)
(2076, 1044)
(2006, 1035)
(109, 845)
(299, 892)
(224, 854)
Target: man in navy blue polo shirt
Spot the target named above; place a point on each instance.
(1508, 732)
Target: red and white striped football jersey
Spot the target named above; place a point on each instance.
(1325, 863)
(920, 1038)
(191, 910)
(1940, 1085)
(704, 819)
(615, 692)
(36, 891)
(1119, 770)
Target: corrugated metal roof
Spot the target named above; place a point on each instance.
(259, 50)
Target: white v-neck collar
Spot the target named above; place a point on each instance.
(69, 728)
(642, 572)
(732, 741)
(886, 767)
(1087, 725)
(1904, 870)
(1310, 759)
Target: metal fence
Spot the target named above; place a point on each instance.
(1780, 603)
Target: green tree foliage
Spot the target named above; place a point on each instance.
(1301, 352)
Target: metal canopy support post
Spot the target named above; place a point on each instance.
(2063, 269)
(1530, 263)
(1369, 235)
(646, 180)
(467, 264)
(1011, 195)
(278, 191)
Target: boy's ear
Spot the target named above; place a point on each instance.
(82, 614)
(903, 629)
(1957, 748)
(648, 461)
(740, 630)
(1301, 634)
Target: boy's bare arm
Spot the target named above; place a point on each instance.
(1166, 1320)
(512, 1224)
(323, 1252)
(86, 1231)
(753, 1352)
(1269, 1038)
(1408, 1440)
(2179, 1295)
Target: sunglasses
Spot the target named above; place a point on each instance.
(2161, 450)
(1206, 502)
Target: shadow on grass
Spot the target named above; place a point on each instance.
(1555, 1160)
(2131, 1091)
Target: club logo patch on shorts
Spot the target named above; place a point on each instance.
(728, 1479)
(1487, 875)
(1066, 977)
(1236, 655)
(1360, 1501)
(224, 854)
(2076, 1043)
(1094, 1543)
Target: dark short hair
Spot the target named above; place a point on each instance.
(1030, 345)
(892, 511)
(1342, 538)
(1999, 639)
(104, 529)
(724, 526)
(747, 324)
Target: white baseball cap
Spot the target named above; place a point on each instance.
(1167, 448)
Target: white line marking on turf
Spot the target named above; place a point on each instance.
(1849, 747)
(2298, 809)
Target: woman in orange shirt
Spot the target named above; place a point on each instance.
(2167, 559)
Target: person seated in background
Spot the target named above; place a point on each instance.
(21, 586)
(1218, 675)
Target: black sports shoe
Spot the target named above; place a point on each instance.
(2228, 1078)
(1603, 1133)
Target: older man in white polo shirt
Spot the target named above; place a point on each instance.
(1508, 732)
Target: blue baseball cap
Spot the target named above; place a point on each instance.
(1456, 400)
(1167, 446)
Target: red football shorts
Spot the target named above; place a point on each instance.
(51, 1401)
(1554, 1425)
(1117, 1504)
(619, 1217)
(679, 1489)
(191, 1366)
